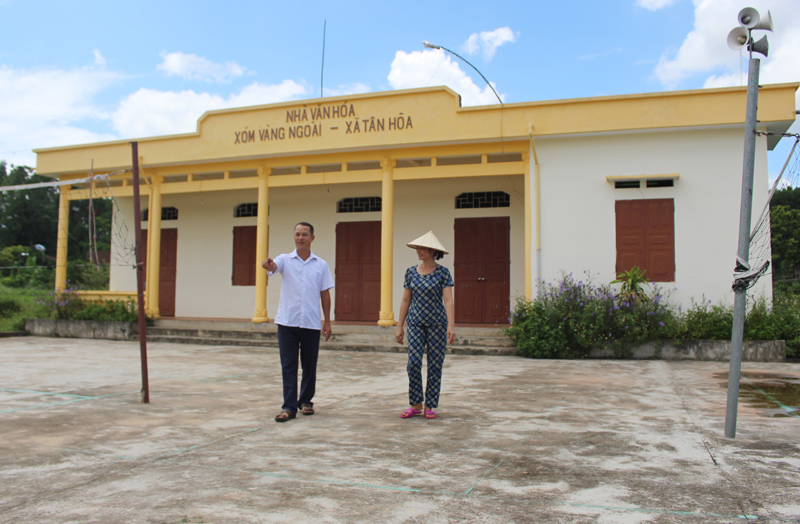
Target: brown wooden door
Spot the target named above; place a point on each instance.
(244, 256)
(482, 264)
(358, 271)
(168, 273)
(646, 237)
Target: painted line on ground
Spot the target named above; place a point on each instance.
(789, 409)
(69, 401)
(518, 444)
(43, 393)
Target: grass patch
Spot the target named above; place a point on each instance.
(16, 305)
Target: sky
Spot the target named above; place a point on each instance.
(88, 71)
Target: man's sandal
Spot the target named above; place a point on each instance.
(307, 409)
(429, 413)
(410, 412)
(284, 415)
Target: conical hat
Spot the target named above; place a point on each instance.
(428, 240)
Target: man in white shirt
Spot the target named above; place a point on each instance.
(306, 282)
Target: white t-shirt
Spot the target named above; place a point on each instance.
(303, 281)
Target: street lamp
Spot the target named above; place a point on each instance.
(434, 46)
(744, 275)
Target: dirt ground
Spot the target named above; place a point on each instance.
(516, 440)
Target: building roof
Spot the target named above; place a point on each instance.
(415, 118)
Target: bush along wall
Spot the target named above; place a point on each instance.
(573, 316)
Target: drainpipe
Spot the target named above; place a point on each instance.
(538, 215)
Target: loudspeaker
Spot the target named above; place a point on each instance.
(765, 23)
(738, 38)
(762, 46)
(749, 17)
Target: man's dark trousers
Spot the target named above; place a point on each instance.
(298, 344)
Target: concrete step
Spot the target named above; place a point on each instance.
(332, 345)
(377, 337)
(346, 337)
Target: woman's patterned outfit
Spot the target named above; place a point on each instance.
(427, 328)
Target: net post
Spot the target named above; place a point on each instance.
(137, 213)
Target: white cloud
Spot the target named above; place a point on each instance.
(434, 67)
(193, 67)
(488, 41)
(44, 108)
(355, 88)
(149, 112)
(655, 5)
(705, 49)
(99, 60)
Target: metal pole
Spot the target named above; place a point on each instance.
(740, 300)
(137, 214)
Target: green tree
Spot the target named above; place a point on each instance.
(79, 227)
(28, 217)
(789, 196)
(785, 225)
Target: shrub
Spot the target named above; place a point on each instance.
(702, 320)
(761, 323)
(61, 304)
(572, 317)
(9, 306)
(109, 310)
(786, 313)
(535, 331)
(69, 305)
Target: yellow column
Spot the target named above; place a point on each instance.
(148, 249)
(262, 245)
(154, 239)
(386, 316)
(63, 238)
(526, 157)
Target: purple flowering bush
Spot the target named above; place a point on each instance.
(573, 316)
(60, 304)
(68, 305)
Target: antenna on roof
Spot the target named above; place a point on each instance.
(322, 72)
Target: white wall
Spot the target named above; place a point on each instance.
(577, 204)
(205, 235)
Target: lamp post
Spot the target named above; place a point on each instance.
(434, 46)
(739, 37)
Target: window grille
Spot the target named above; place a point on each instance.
(359, 205)
(167, 213)
(483, 199)
(249, 209)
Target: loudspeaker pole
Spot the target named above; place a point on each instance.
(743, 253)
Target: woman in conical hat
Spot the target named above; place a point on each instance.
(427, 308)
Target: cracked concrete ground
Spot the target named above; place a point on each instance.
(516, 440)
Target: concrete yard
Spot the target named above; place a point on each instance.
(517, 440)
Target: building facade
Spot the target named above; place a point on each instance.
(520, 193)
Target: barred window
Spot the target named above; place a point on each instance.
(249, 209)
(167, 213)
(359, 205)
(483, 199)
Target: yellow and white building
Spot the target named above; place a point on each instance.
(519, 193)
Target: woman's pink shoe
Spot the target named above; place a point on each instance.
(429, 413)
(410, 412)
